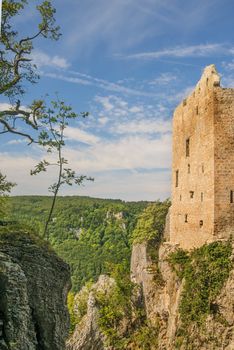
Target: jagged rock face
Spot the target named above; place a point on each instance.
(162, 304)
(87, 335)
(33, 287)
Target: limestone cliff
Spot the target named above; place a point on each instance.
(162, 304)
(87, 335)
(33, 287)
(160, 291)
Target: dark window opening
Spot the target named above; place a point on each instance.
(188, 168)
(201, 223)
(231, 197)
(191, 194)
(202, 196)
(186, 218)
(202, 168)
(180, 197)
(187, 147)
(177, 178)
(196, 110)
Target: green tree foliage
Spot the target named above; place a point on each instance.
(117, 309)
(151, 222)
(16, 65)
(149, 230)
(38, 123)
(86, 232)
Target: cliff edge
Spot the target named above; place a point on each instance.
(34, 284)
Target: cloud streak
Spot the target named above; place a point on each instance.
(88, 80)
(42, 59)
(201, 50)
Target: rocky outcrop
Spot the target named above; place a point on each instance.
(162, 304)
(33, 287)
(87, 335)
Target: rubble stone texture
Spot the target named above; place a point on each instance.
(203, 164)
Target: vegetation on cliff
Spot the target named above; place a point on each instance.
(122, 317)
(204, 271)
(149, 229)
(151, 222)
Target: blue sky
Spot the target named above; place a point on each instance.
(129, 63)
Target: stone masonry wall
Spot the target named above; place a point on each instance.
(202, 123)
(224, 162)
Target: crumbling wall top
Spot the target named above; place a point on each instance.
(209, 79)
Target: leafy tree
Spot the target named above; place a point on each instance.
(151, 222)
(16, 65)
(16, 68)
(52, 138)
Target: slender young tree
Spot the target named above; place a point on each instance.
(17, 68)
(52, 138)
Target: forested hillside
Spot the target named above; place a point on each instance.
(90, 234)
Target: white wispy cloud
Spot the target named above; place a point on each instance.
(228, 65)
(128, 153)
(84, 79)
(127, 185)
(17, 142)
(163, 79)
(66, 78)
(144, 127)
(105, 101)
(79, 135)
(200, 50)
(110, 21)
(5, 106)
(119, 109)
(42, 59)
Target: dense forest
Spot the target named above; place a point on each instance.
(90, 234)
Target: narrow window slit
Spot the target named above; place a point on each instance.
(177, 178)
(186, 218)
(187, 147)
(231, 196)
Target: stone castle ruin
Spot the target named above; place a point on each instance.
(203, 164)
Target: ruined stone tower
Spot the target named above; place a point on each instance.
(203, 164)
